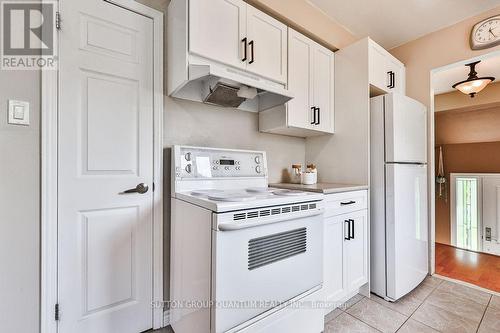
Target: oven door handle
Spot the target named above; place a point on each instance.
(245, 225)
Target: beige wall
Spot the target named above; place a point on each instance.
(489, 96)
(19, 206)
(306, 18)
(435, 50)
(467, 126)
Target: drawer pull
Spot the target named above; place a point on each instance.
(347, 203)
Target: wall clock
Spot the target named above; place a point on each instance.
(486, 33)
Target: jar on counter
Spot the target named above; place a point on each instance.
(296, 173)
(310, 177)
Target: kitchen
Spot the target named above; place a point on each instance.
(251, 89)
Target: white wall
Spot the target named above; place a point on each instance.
(19, 206)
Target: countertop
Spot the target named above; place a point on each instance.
(326, 188)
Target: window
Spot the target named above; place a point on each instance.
(465, 206)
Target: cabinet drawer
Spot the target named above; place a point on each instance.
(341, 203)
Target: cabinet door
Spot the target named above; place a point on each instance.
(398, 72)
(267, 45)
(378, 72)
(333, 269)
(216, 30)
(356, 251)
(300, 53)
(323, 88)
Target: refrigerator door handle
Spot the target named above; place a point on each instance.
(348, 229)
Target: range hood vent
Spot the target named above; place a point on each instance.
(224, 95)
(224, 86)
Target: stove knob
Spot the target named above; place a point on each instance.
(258, 169)
(257, 159)
(189, 168)
(187, 157)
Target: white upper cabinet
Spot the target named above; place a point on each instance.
(267, 45)
(216, 30)
(311, 81)
(323, 88)
(300, 108)
(386, 72)
(234, 33)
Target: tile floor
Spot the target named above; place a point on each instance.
(435, 306)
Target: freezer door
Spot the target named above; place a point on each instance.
(406, 228)
(405, 129)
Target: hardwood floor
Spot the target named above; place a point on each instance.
(480, 269)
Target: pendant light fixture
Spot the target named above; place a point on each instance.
(473, 84)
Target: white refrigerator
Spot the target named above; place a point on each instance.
(398, 195)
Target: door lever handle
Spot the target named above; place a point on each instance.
(141, 189)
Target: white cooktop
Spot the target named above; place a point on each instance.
(238, 199)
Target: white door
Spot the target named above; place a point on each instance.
(105, 147)
(405, 129)
(300, 108)
(217, 29)
(406, 227)
(491, 214)
(333, 272)
(267, 45)
(355, 249)
(323, 89)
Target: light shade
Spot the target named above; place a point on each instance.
(473, 84)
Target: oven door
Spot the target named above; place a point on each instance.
(258, 267)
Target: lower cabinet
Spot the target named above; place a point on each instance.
(345, 267)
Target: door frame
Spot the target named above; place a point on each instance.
(49, 173)
(431, 152)
(453, 217)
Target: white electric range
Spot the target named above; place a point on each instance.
(244, 257)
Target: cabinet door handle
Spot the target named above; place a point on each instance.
(313, 109)
(348, 237)
(252, 45)
(347, 203)
(245, 45)
(392, 80)
(352, 229)
(319, 112)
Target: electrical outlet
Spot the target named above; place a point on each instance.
(487, 236)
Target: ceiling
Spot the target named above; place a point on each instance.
(394, 22)
(442, 81)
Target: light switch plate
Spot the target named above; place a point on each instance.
(19, 113)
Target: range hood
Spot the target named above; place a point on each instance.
(221, 85)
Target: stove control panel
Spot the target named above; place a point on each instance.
(206, 163)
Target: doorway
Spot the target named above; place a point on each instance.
(467, 142)
(102, 171)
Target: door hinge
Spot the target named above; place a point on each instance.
(58, 20)
(153, 187)
(56, 312)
